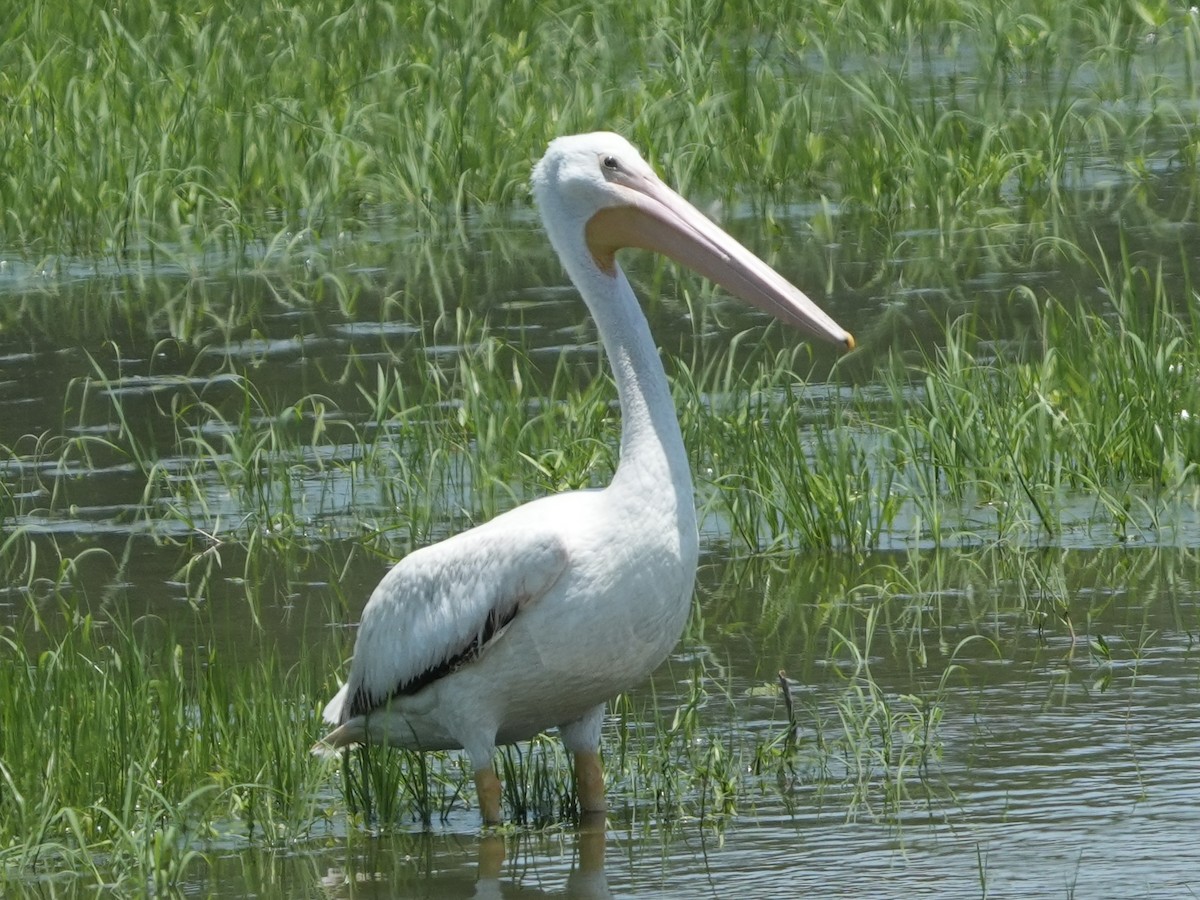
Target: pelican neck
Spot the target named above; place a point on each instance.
(652, 450)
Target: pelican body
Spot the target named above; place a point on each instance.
(535, 619)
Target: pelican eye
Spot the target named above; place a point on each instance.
(610, 163)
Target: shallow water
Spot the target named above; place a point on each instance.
(984, 720)
(1056, 769)
(1053, 770)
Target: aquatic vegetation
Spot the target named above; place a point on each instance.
(987, 441)
(273, 315)
(233, 131)
(446, 425)
(120, 744)
(1092, 402)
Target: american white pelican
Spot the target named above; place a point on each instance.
(536, 618)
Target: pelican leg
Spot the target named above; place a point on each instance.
(582, 738)
(487, 788)
(589, 782)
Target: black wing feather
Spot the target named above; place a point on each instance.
(364, 702)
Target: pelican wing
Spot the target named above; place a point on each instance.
(440, 607)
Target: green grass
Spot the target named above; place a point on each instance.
(967, 142)
(123, 752)
(1080, 419)
(1093, 403)
(129, 755)
(202, 200)
(231, 128)
(988, 442)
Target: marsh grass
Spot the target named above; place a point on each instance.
(986, 439)
(386, 788)
(140, 130)
(445, 425)
(1097, 404)
(225, 179)
(122, 753)
(207, 746)
(961, 141)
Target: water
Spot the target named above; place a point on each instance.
(981, 720)
(1062, 765)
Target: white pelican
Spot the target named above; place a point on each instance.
(534, 619)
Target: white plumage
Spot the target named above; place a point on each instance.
(534, 619)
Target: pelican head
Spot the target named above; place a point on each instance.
(597, 195)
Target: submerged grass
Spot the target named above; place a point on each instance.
(1081, 420)
(988, 442)
(968, 137)
(1095, 404)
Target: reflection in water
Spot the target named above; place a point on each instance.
(386, 871)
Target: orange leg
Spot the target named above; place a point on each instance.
(487, 788)
(589, 782)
